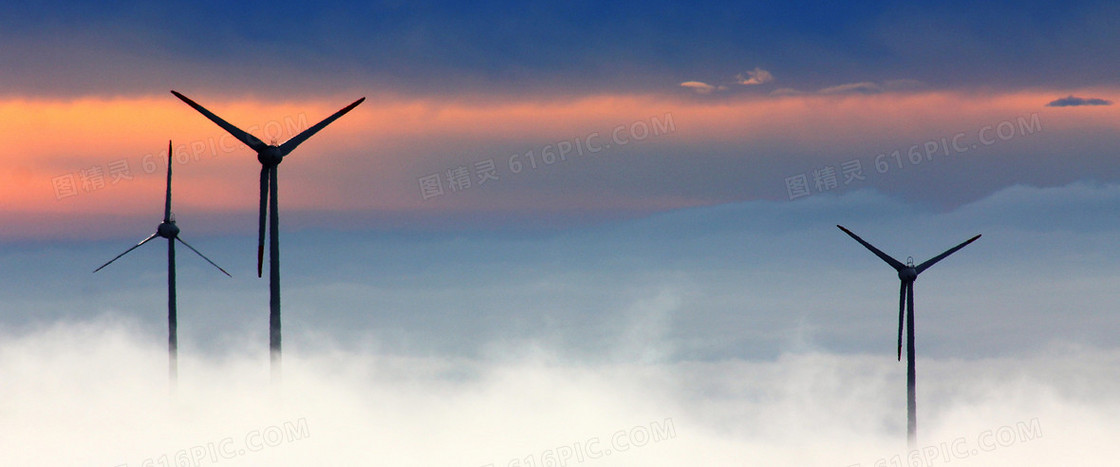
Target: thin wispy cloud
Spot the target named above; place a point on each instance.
(787, 92)
(861, 88)
(901, 84)
(753, 77)
(865, 87)
(702, 87)
(1073, 101)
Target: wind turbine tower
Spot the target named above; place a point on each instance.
(269, 156)
(167, 229)
(907, 274)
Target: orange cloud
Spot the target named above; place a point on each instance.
(371, 158)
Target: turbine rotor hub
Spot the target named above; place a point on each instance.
(167, 229)
(270, 156)
(908, 274)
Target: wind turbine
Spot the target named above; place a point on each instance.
(167, 229)
(908, 273)
(270, 157)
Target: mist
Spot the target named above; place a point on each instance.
(753, 333)
(95, 393)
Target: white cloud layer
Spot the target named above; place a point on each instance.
(745, 331)
(95, 394)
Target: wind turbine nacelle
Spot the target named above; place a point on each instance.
(270, 156)
(907, 274)
(168, 230)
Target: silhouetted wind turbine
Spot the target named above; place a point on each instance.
(270, 157)
(167, 229)
(908, 273)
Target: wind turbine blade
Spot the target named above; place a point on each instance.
(242, 136)
(167, 205)
(128, 250)
(935, 259)
(901, 309)
(897, 265)
(202, 255)
(291, 144)
(264, 211)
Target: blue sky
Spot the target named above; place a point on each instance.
(568, 48)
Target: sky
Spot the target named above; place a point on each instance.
(563, 234)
